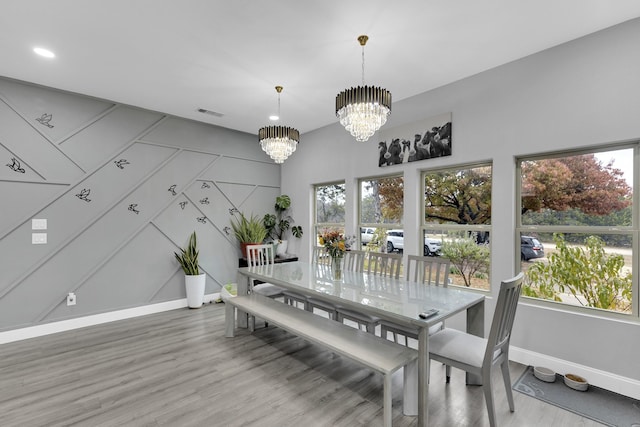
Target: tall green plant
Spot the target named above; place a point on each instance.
(279, 223)
(188, 257)
(593, 277)
(248, 230)
(467, 256)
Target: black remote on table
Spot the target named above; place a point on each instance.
(428, 313)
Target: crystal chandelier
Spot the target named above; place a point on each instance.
(364, 109)
(279, 142)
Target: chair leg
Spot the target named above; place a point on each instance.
(507, 383)
(371, 328)
(448, 373)
(488, 396)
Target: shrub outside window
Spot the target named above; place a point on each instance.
(576, 228)
(457, 214)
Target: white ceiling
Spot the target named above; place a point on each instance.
(176, 56)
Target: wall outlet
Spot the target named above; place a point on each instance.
(38, 224)
(71, 298)
(39, 238)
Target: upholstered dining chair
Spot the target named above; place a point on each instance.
(354, 260)
(378, 264)
(258, 255)
(420, 269)
(262, 255)
(320, 255)
(479, 355)
(384, 264)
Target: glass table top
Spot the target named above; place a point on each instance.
(394, 299)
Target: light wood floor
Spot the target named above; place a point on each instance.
(177, 369)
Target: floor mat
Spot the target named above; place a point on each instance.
(598, 404)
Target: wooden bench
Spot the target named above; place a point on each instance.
(381, 355)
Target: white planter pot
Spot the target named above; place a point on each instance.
(195, 289)
(281, 249)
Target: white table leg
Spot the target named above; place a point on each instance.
(475, 326)
(423, 377)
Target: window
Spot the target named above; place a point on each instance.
(457, 222)
(381, 210)
(329, 207)
(576, 228)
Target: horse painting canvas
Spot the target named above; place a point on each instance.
(422, 140)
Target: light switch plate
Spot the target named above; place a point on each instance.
(39, 238)
(38, 224)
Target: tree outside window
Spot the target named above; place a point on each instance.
(381, 210)
(457, 212)
(579, 209)
(329, 207)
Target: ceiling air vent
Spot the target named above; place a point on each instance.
(211, 113)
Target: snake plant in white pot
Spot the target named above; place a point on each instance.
(193, 280)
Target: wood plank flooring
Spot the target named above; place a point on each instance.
(177, 369)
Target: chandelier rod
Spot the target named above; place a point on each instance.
(363, 41)
(278, 89)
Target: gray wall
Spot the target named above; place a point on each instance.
(121, 189)
(581, 94)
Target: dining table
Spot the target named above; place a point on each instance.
(397, 300)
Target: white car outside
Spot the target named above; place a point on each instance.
(366, 235)
(395, 242)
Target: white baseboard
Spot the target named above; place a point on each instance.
(607, 380)
(96, 319)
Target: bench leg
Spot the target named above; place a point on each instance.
(229, 320)
(410, 389)
(252, 323)
(387, 403)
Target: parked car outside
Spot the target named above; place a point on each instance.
(366, 235)
(395, 242)
(530, 248)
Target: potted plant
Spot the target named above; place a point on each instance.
(193, 280)
(248, 231)
(279, 223)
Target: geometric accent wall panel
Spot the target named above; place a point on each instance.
(73, 264)
(245, 172)
(209, 202)
(14, 168)
(261, 201)
(121, 189)
(77, 208)
(21, 199)
(27, 144)
(134, 274)
(199, 136)
(218, 255)
(53, 113)
(108, 135)
(235, 193)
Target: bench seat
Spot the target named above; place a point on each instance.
(378, 354)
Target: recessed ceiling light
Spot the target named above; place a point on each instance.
(44, 52)
(273, 118)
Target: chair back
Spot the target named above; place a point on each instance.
(354, 260)
(320, 255)
(429, 270)
(260, 255)
(503, 317)
(384, 264)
